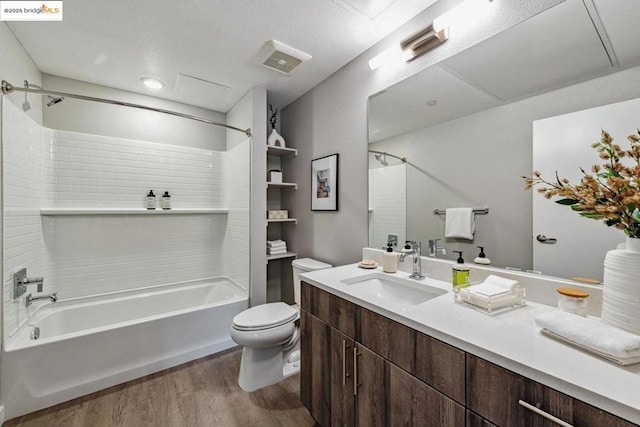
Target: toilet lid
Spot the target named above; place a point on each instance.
(265, 316)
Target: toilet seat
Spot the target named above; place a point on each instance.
(265, 316)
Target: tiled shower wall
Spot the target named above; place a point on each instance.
(23, 239)
(92, 254)
(387, 204)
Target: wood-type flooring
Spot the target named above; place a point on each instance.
(203, 392)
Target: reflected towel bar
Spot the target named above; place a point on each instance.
(477, 211)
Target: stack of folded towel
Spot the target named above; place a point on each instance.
(592, 335)
(276, 247)
(493, 293)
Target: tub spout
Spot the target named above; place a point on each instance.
(30, 299)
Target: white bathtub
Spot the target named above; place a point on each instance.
(88, 344)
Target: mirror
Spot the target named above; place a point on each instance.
(465, 127)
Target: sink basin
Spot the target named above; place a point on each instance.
(381, 289)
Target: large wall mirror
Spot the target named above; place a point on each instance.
(465, 129)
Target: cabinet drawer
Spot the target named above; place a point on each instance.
(494, 393)
(391, 340)
(333, 310)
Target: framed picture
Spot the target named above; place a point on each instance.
(324, 183)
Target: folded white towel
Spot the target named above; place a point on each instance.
(590, 334)
(493, 286)
(277, 246)
(459, 223)
(275, 243)
(277, 252)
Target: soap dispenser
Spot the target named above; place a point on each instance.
(389, 260)
(482, 258)
(151, 200)
(460, 277)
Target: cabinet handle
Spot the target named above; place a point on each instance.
(355, 370)
(344, 363)
(544, 414)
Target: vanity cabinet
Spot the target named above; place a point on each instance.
(361, 368)
(357, 369)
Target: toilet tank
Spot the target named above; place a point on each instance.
(304, 265)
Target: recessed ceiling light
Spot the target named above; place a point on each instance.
(152, 83)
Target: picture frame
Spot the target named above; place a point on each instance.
(324, 183)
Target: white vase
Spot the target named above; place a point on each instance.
(621, 291)
(275, 139)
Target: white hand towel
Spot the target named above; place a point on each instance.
(608, 341)
(277, 245)
(493, 286)
(459, 223)
(273, 243)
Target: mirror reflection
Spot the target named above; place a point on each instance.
(465, 127)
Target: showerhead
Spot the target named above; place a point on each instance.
(54, 100)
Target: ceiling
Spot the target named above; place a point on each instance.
(572, 42)
(115, 43)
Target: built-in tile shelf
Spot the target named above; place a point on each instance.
(281, 152)
(293, 220)
(282, 185)
(107, 211)
(281, 256)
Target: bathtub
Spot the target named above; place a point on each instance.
(88, 344)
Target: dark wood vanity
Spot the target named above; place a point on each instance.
(360, 368)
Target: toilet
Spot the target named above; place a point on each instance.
(270, 336)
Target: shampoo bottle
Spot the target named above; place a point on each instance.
(151, 200)
(166, 201)
(482, 258)
(389, 260)
(460, 276)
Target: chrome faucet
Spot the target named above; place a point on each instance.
(414, 249)
(434, 248)
(30, 299)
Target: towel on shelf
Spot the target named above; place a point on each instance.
(459, 223)
(276, 243)
(276, 251)
(607, 341)
(493, 286)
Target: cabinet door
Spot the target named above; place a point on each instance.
(371, 388)
(342, 398)
(315, 374)
(475, 420)
(441, 366)
(494, 393)
(414, 403)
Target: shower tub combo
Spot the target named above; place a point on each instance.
(91, 343)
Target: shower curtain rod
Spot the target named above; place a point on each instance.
(7, 88)
(403, 159)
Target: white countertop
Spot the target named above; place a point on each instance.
(509, 339)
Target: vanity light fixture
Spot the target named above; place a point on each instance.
(412, 47)
(152, 83)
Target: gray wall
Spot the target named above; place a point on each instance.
(123, 122)
(332, 118)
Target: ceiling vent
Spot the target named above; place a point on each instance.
(280, 57)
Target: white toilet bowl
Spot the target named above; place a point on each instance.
(269, 336)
